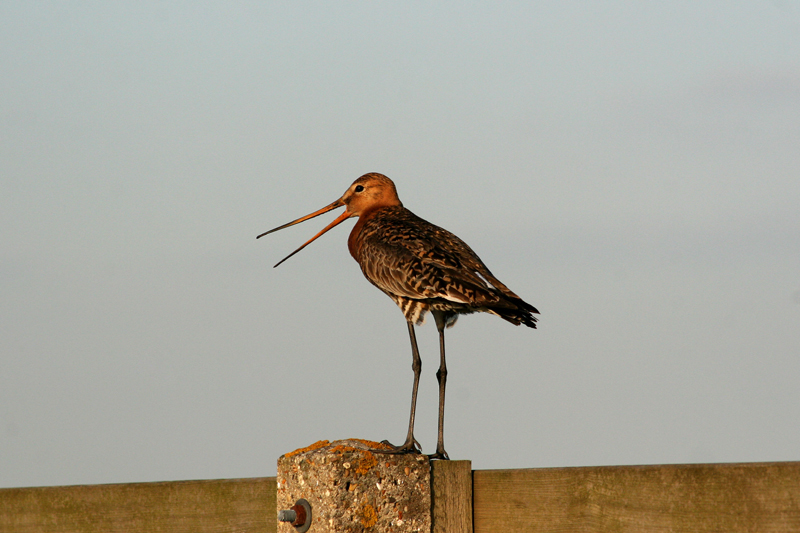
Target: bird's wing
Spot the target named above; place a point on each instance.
(418, 260)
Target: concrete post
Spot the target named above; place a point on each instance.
(352, 490)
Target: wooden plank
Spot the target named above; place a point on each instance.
(240, 505)
(451, 496)
(730, 498)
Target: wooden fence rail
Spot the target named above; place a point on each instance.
(724, 498)
(730, 498)
(214, 506)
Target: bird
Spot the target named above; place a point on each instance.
(422, 268)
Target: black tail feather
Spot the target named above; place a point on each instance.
(519, 312)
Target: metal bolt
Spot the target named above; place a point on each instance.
(287, 515)
(299, 515)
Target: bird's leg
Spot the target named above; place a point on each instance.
(410, 445)
(441, 377)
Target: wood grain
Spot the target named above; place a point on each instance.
(730, 498)
(240, 505)
(452, 496)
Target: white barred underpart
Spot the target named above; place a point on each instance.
(414, 311)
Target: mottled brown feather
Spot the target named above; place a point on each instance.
(411, 259)
(420, 266)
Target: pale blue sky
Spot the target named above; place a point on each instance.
(632, 169)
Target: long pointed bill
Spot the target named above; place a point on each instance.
(338, 220)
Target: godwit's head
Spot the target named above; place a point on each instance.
(369, 192)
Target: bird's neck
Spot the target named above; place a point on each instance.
(355, 241)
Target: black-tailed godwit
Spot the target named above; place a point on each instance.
(422, 268)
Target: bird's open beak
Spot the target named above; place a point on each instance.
(338, 220)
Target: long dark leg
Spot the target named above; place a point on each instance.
(441, 377)
(410, 445)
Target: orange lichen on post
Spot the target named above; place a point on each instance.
(316, 446)
(368, 459)
(366, 463)
(348, 446)
(374, 445)
(368, 515)
(348, 484)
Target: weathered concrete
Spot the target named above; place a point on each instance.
(353, 490)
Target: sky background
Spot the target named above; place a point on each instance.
(632, 169)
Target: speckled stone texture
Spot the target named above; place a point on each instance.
(353, 490)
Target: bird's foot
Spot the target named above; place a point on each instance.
(440, 454)
(409, 446)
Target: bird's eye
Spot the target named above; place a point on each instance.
(359, 188)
